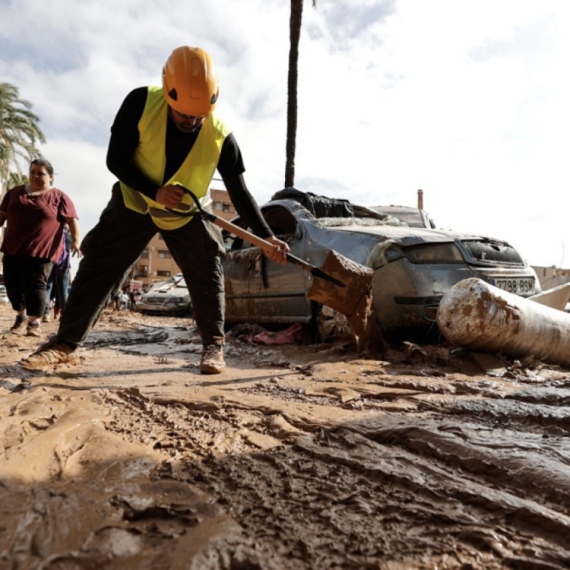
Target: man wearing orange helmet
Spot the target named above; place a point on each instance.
(162, 137)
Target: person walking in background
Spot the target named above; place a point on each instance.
(36, 214)
(163, 136)
(132, 301)
(124, 301)
(59, 279)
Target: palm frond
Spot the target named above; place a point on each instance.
(19, 130)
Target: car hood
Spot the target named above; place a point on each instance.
(171, 291)
(407, 235)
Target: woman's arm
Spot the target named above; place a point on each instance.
(75, 232)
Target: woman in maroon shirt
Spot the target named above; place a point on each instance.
(36, 214)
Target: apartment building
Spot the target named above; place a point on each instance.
(552, 276)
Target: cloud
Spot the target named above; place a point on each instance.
(468, 101)
(352, 23)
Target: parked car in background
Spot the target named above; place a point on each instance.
(3, 295)
(166, 297)
(413, 266)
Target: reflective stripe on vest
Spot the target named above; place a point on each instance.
(195, 173)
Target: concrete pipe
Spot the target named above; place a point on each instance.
(479, 316)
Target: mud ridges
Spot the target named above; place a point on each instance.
(319, 505)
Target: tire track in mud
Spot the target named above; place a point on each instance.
(448, 486)
(317, 506)
(198, 430)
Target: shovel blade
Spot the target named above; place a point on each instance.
(353, 300)
(356, 278)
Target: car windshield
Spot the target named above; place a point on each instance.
(413, 217)
(338, 222)
(162, 286)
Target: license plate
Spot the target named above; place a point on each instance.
(517, 285)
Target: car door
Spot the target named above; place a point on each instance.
(261, 290)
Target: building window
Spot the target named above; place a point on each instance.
(226, 208)
(164, 254)
(144, 254)
(217, 205)
(163, 273)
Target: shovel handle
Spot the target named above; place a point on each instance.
(264, 245)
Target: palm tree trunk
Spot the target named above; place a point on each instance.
(291, 143)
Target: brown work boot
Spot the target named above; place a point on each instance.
(19, 323)
(212, 359)
(47, 356)
(34, 328)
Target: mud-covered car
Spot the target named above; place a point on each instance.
(167, 297)
(414, 266)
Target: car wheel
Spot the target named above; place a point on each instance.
(331, 325)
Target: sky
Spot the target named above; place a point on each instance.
(467, 100)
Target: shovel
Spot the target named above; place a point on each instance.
(340, 283)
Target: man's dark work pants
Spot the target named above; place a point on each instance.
(112, 247)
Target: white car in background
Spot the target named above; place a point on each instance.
(3, 295)
(167, 297)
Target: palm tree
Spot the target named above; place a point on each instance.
(17, 179)
(19, 130)
(294, 37)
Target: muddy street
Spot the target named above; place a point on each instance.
(298, 456)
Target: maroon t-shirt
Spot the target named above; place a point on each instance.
(35, 223)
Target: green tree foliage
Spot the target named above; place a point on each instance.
(17, 179)
(19, 130)
(295, 22)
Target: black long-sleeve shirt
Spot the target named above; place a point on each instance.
(125, 139)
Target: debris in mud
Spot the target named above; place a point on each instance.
(417, 354)
(295, 334)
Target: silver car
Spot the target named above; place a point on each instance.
(414, 267)
(166, 297)
(3, 296)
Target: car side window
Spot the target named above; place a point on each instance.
(282, 223)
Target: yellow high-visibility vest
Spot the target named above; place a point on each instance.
(195, 173)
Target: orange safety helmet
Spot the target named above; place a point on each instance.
(190, 81)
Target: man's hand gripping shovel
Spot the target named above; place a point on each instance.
(340, 283)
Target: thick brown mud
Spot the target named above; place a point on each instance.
(296, 457)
